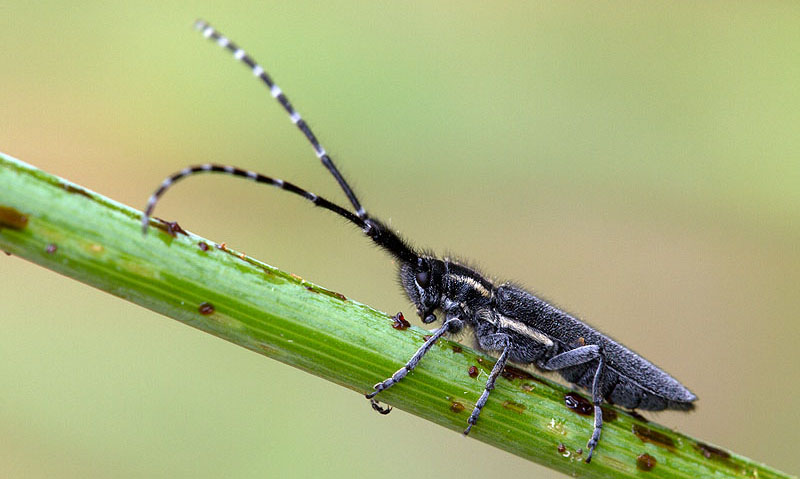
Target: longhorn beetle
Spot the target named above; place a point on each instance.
(505, 318)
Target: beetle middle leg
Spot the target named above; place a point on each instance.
(501, 339)
(578, 356)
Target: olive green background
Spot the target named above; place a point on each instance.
(636, 163)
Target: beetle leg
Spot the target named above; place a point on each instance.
(575, 357)
(597, 399)
(412, 363)
(496, 370)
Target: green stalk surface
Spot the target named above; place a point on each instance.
(83, 235)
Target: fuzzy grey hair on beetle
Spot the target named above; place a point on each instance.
(505, 318)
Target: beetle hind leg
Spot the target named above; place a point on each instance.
(597, 399)
(578, 356)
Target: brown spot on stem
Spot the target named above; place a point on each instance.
(514, 406)
(11, 218)
(510, 372)
(648, 435)
(173, 229)
(638, 416)
(577, 403)
(332, 294)
(645, 462)
(711, 452)
(76, 190)
(206, 308)
(203, 245)
(609, 414)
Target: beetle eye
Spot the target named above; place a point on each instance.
(424, 279)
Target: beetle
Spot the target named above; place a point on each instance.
(506, 318)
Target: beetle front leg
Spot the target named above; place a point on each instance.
(412, 363)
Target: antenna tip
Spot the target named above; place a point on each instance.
(200, 24)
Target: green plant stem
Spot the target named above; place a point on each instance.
(81, 234)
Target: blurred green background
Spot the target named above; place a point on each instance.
(636, 163)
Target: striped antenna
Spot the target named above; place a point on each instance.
(251, 175)
(373, 228)
(239, 54)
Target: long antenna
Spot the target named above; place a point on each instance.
(251, 175)
(373, 228)
(277, 93)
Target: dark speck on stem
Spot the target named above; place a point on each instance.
(206, 308)
(645, 462)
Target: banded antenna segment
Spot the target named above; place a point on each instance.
(250, 175)
(259, 72)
